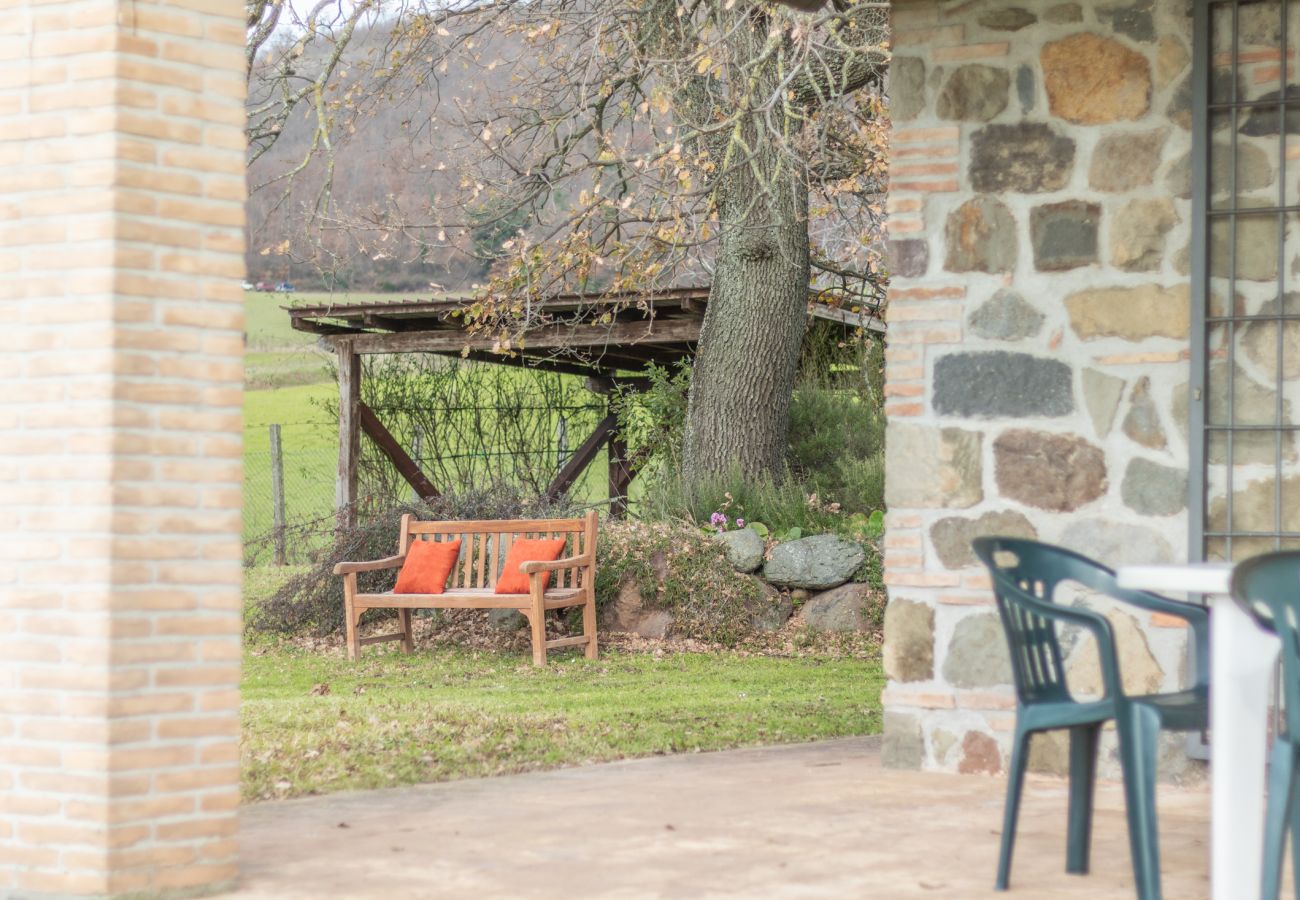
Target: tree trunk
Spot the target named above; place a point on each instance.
(748, 353)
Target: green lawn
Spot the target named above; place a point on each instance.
(315, 723)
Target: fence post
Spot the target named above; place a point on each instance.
(277, 493)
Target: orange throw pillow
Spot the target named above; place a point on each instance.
(512, 581)
(428, 563)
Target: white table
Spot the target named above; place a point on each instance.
(1242, 659)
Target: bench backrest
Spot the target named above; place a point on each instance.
(484, 544)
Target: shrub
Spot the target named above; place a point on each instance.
(312, 601)
(679, 569)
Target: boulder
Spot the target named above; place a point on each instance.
(1064, 235)
(744, 548)
(906, 87)
(629, 613)
(902, 745)
(1116, 543)
(980, 236)
(908, 257)
(1142, 424)
(774, 608)
(1126, 160)
(1151, 489)
(840, 609)
(1131, 313)
(1137, 234)
(1101, 396)
(974, 93)
(817, 563)
(506, 619)
(1009, 18)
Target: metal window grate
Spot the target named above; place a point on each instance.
(1244, 402)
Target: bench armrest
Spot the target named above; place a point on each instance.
(388, 562)
(569, 562)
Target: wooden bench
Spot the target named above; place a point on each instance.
(483, 549)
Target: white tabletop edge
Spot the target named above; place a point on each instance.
(1196, 578)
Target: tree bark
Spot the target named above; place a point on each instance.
(748, 353)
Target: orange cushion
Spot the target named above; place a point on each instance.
(428, 563)
(512, 581)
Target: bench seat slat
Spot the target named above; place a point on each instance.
(471, 599)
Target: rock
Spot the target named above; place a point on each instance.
(1025, 157)
(1092, 80)
(977, 655)
(1179, 110)
(979, 755)
(1259, 340)
(1009, 18)
(951, 537)
(1254, 171)
(973, 93)
(908, 258)
(1253, 508)
(943, 467)
(1138, 668)
(1025, 88)
(1049, 752)
(1133, 21)
(942, 741)
(1064, 13)
(840, 609)
(506, 619)
(1261, 123)
(1137, 234)
(817, 563)
(629, 613)
(902, 745)
(1252, 404)
(1064, 235)
(1131, 313)
(1171, 60)
(1151, 489)
(1101, 395)
(1056, 472)
(1256, 244)
(909, 641)
(906, 88)
(1006, 316)
(980, 236)
(997, 384)
(1126, 160)
(744, 548)
(1116, 543)
(774, 608)
(1142, 424)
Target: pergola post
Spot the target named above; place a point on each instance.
(345, 485)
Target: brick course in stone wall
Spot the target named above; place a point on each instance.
(121, 255)
(1039, 319)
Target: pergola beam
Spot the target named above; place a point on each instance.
(559, 337)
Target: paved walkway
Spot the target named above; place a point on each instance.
(808, 820)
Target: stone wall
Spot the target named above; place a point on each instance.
(121, 254)
(1038, 353)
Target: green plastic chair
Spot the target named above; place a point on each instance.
(1026, 575)
(1268, 588)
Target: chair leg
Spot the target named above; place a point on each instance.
(1281, 770)
(1139, 732)
(537, 621)
(408, 630)
(1294, 792)
(350, 615)
(589, 627)
(1083, 777)
(1015, 785)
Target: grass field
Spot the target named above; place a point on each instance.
(313, 724)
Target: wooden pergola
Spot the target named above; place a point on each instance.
(612, 347)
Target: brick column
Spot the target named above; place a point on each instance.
(121, 255)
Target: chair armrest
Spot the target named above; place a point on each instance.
(1094, 622)
(388, 562)
(569, 562)
(1196, 616)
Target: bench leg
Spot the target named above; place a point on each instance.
(408, 634)
(537, 621)
(351, 618)
(589, 627)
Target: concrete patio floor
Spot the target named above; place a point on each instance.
(807, 820)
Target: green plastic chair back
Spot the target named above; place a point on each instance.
(1267, 587)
